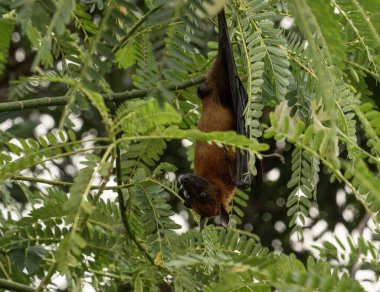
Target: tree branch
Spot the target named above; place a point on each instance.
(117, 96)
(14, 286)
(66, 184)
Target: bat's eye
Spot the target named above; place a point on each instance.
(203, 90)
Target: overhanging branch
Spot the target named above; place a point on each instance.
(117, 96)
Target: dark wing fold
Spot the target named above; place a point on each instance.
(239, 98)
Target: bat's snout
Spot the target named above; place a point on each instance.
(185, 179)
(180, 178)
(192, 182)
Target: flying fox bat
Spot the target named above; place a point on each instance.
(217, 171)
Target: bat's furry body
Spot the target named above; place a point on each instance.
(216, 164)
(218, 170)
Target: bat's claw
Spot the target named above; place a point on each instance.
(224, 217)
(202, 223)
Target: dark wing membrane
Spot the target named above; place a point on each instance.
(239, 98)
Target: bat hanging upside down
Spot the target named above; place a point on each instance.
(218, 170)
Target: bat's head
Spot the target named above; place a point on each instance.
(204, 197)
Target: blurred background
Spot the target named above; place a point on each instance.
(335, 212)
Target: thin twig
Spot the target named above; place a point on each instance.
(135, 27)
(123, 210)
(109, 97)
(362, 224)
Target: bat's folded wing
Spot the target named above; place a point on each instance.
(239, 96)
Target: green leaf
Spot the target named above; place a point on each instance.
(127, 56)
(6, 29)
(28, 258)
(329, 29)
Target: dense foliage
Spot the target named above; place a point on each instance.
(121, 78)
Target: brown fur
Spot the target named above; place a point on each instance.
(211, 161)
(217, 170)
(212, 186)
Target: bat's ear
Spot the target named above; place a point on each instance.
(203, 90)
(224, 217)
(202, 223)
